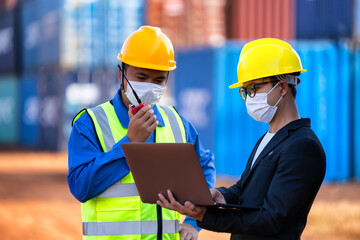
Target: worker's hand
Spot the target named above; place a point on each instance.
(188, 232)
(188, 208)
(142, 124)
(217, 196)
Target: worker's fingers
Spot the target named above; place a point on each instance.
(152, 127)
(163, 202)
(180, 208)
(191, 207)
(145, 113)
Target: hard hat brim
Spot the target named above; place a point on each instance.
(240, 84)
(170, 67)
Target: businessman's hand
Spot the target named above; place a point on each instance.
(188, 232)
(188, 208)
(217, 196)
(142, 124)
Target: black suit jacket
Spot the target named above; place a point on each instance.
(281, 186)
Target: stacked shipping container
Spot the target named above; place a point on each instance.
(261, 18)
(189, 23)
(65, 53)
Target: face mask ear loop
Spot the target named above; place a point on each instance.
(122, 84)
(273, 88)
(278, 101)
(271, 91)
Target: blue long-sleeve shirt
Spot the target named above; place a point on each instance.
(92, 171)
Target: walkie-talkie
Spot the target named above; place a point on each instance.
(140, 105)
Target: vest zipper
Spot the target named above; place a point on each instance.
(159, 222)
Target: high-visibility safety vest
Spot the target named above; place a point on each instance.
(118, 213)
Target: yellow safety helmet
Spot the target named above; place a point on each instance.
(264, 58)
(148, 48)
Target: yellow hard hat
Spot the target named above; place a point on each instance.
(148, 48)
(264, 58)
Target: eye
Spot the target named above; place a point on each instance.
(141, 78)
(159, 81)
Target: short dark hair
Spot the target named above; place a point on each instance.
(291, 86)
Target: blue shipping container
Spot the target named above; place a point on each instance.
(69, 35)
(194, 89)
(82, 89)
(356, 114)
(49, 50)
(327, 103)
(9, 114)
(31, 36)
(91, 34)
(29, 111)
(50, 85)
(235, 132)
(122, 18)
(8, 46)
(324, 19)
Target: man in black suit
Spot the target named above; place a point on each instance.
(286, 167)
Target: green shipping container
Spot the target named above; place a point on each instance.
(9, 110)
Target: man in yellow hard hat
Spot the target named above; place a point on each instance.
(99, 176)
(287, 165)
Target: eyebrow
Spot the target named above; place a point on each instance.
(146, 76)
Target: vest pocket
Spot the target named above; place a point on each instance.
(118, 209)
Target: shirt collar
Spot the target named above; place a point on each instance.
(122, 111)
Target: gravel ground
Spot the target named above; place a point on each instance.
(35, 203)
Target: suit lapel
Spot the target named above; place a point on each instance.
(279, 137)
(248, 165)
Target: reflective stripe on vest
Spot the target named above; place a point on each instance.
(120, 190)
(128, 227)
(173, 124)
(105, 127)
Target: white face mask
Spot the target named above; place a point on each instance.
(258, 107)
(149, 93)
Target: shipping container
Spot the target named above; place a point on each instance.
(92, 33)
(9, 50)
(327, 101)
(330, 19)
(6, 5)
(235, 132)
(194, 89)
(29, 111)
(356, 114)
(82, 89)
(121, 19)
(261, 18)
(30, 34)
(49, 17)
(356, 23)
(189, 23)
(69, 35)
(77, 34)
(9, 114)
(50, 110)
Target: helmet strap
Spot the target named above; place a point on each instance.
(121, 74)
(122, 70)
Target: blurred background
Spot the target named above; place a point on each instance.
(60, 56)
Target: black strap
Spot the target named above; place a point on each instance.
(159, 222)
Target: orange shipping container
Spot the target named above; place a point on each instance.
(189, 23)
(7, 4)
(252, 19)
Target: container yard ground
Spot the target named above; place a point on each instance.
(35, 203)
